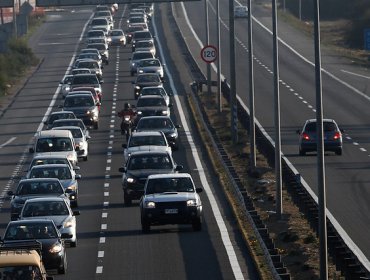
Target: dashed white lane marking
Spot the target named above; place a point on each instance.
(363, 150)
(106, 185)
(355, 143)
(109, 160)
(104, 215)
(106, 193)
(108, 168)
(106, 204)
(104, 226)
(355, 74)
(101, 254)
(99, 269)
(102, 240)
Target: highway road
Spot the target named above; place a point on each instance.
(110, 242)
(345, 97)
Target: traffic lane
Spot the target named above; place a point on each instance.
(180, 74)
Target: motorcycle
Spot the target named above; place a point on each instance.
(126, 125)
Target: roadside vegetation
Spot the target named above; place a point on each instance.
(18, 59)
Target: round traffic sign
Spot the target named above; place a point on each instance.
(209, 54)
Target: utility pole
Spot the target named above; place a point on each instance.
(233, 106)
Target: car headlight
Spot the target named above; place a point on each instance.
(141, 71)
(165, 112)
(139, 112)
(68, 223)
(81, 144)
(130, 180)
(72, 187)
(191, 202)
(88, 112)
(173, 135)
(121, 39)
(56, 248)
(137, 87)
(149, 204)
(132, 64)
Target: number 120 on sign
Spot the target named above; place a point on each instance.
(209, 54)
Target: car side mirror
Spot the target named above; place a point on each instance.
(76, 213)
(77, 149)
(198, 190)
(178, 126)
(170, 105)
(101, 82)
(45, 123)
(31, 150)
(10, 193)
(98, 104)
(78, 176)
(342, 130)
(102, 67)
(179, 168)
(88, 137)
(76, 168)
(122, 169)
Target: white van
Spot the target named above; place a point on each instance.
(55, 142)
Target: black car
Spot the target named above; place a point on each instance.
(146, 80)
(32, 188)
(160, 123)
(333, 140)
(57, 116)
(151, 105)
(139, 166)
(44, 231)
(84, 107)
(170, 199)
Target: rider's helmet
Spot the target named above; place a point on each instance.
(127, 106)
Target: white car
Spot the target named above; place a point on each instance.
(81, 140)
(240, 11)
(145, 141)
(56, 209)
(151, 65)
(136, 57)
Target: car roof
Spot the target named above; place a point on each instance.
(63, 120)
(61, 112)
(54, 133)
(48, 198)
(324, 120)
(151, 96)
(170, 175)
(155, 117)
(146, 133)
(45, 221)
(49, 156)
(19, 257)
(56, 165)
(67, 127)
(79, 94)
(39, 180)
(158, 152)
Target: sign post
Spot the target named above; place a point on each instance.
(367, 39)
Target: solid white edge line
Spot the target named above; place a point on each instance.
(215, 209)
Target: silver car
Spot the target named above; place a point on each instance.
(56, 209)
(57, 116)
(67, 177)
(156, 91)
(151, 65)
(136, 57)
(51, 159)
(117, 37)
(81, 140)
(145, 45)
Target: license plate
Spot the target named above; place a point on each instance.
(171, 211)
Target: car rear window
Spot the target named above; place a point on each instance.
(327, 126)
(48, 187)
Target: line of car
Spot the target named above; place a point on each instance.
(150, 173)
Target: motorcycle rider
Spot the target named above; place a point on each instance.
(129, 112)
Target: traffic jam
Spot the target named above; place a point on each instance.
(44, 204)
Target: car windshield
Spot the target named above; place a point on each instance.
(58, 116)
(155, 123)
(95, 33)
(76, 133)
(99, 21)
(116, 33)
(142, 35)
(88, 55)
(144, 44)
(149, 63)
(162, 185)
(45, 208)
(85, 79)
(39, 188)
(327, 126)
(148, 79)
(30, 231)
(61, 173)
(153, 91)
(100, 47)
(79, 101)
(80, 71)
(68, 80)
(27, 272)
(146, 140)
(137, 20)
(142, 55)
(88, 64)
(53, 144)
(150, 102)
(48, 161)
(149, 162)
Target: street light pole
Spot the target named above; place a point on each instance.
(251, 91)
(219, 96)
(233, 106)
(207, 43)
(320, 148)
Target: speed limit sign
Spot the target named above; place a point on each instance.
(209, 54)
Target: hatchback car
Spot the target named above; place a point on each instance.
(151, 105)
(160, 123)
(136, 56)
(145, 141)
(57, 116)
(156, 91)
(118, 37)
(54, 253)
(71, 122)
(67, 177)
(150, 66)
(333, 140)
(139, 166)
(84, 107)
(56, 209)
(170, 199)
(146, 80)
(31, 188)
